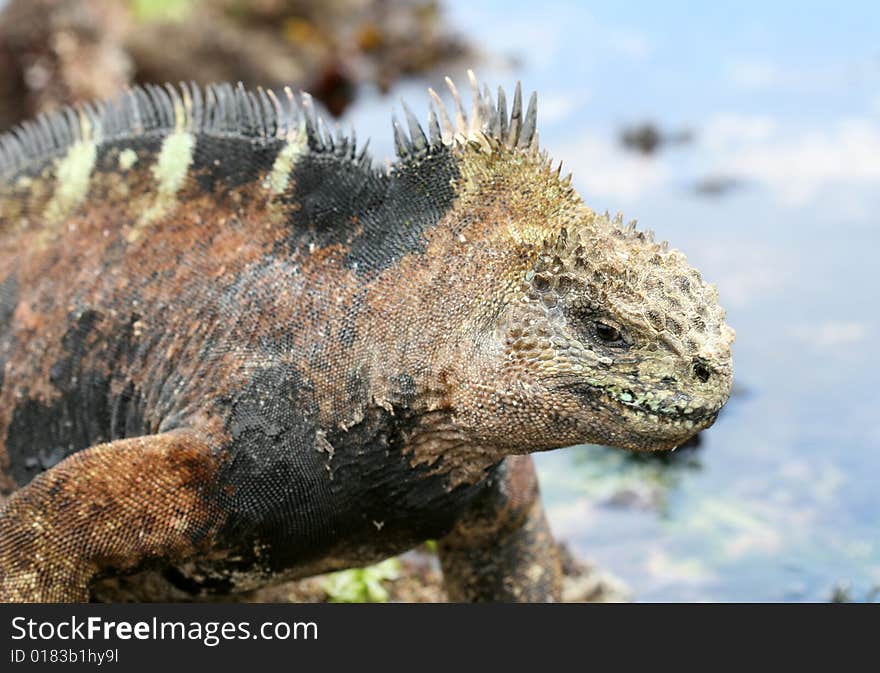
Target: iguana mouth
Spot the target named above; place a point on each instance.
(678, 410)
(671, 411)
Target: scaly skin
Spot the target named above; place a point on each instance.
(232, 351)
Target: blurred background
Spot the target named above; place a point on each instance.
(747, 136)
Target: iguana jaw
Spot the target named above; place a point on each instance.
(660, 429)
(624, 419)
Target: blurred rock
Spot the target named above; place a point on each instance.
(419, 581)
(841, 593)
(584, 583)
(647, 138)
(645, 497)
(54, 52)
(717, 185)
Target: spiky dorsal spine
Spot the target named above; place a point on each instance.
(486, 125)
(263, 117)
(224, 110)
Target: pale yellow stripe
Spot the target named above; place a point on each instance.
(73, 173)
(279, 178)
(169, 171)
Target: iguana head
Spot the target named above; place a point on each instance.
(624, 336)
(586, 330)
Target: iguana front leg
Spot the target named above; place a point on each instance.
(502, 549)
(112, 506)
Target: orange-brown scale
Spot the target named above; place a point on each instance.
(79, 520)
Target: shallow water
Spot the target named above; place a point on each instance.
(780, 500)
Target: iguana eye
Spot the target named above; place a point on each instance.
(607, 333)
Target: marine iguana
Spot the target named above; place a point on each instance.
(234, 351)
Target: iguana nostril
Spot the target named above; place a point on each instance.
(701, 371)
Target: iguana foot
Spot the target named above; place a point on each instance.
(502, 548)
(110, 507)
